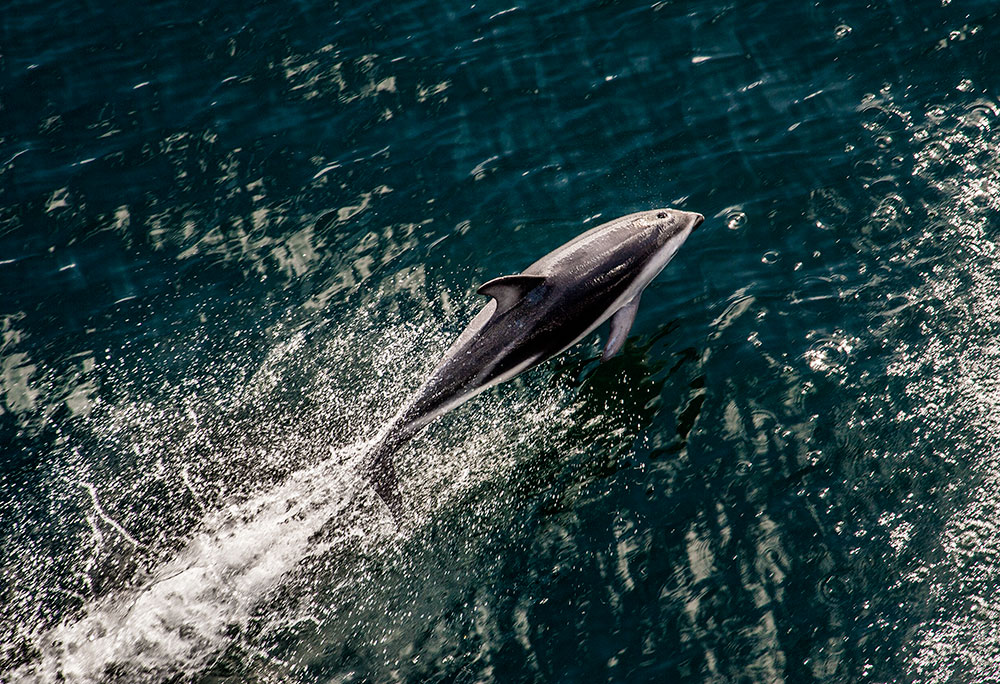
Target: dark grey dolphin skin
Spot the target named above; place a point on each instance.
(537, 314)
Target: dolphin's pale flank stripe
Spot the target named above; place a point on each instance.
(537, 314)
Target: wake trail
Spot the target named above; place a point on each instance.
(190, 607)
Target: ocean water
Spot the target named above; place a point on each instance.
(234, 236)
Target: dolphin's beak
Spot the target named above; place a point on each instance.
(698, 220)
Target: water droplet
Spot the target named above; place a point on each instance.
(965, 86)
(736, 220)
(770, 257)
(842, 31)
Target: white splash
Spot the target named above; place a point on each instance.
(181, 618)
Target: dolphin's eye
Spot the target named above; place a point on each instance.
(662, 214)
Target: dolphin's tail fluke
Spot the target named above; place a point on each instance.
(381, 468)
(383, 478)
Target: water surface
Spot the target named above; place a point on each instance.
(233, 237)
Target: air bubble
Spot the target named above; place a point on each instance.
(736, 220)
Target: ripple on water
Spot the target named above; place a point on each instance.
(835, 590)
(829, 209)
(735, 220)
(945, 378)
(831, 354)
(848, 374)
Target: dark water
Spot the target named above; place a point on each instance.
(234, 236)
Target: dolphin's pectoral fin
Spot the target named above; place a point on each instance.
(509, 290)
(621, 323)
(385, 484)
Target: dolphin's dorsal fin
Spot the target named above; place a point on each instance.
(509, 290)
(621, 323)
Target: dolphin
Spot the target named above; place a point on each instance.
(535, 315)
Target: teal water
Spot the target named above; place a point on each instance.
(233, 238)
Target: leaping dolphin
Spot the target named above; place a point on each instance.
(537, 314)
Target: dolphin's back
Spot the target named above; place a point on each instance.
(588, 251)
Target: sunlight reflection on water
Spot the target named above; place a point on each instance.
(230, 248)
